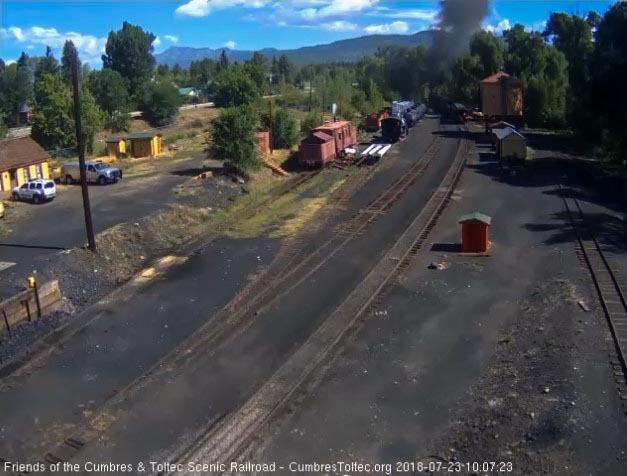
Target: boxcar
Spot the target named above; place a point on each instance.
(326, 142)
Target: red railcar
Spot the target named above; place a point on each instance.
(326, 142)
(373, 121)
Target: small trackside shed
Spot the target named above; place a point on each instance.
(144, 144)
(510, 144)
(475, 232)
(116, 146)
(22, 160)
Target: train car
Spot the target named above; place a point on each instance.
(327, 142)
(373, 121)
(393, 128)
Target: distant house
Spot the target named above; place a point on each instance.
(188, 92)
(22, 160)
(24, 115)
(144, 144)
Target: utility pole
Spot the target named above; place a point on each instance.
(271, 127)
(81, 157)
(310, 95)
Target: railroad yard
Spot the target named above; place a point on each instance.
(328, 238)
(362, 335)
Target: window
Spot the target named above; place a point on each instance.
(49, 185)
(32, 186)
(39, 186)
(24, 187)
(25, 174)
(91, 168)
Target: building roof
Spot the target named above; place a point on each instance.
(505, 133)
(332, 126)
(19, 152)
(142, 135)
(476, 216)
(318, 136)
(114, 139)
(502, 125)
(186, 91)
(498, 77)
(25, 108)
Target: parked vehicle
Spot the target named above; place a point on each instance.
(97, 172)
(37, 191)
(1, 209)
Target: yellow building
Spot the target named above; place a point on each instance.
(501, 95)
(144, 144)
(22, 160)
(116, 146)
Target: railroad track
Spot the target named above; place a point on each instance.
(240, 313)
(229, 437)
(608, 288)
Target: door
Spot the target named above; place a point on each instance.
(92, 174)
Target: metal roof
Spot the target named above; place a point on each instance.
(19, 152)
(332, 126)
(501, 76)
(476, 216)
(114, 139)
(142, 135)
(186, 91)
(508, 131)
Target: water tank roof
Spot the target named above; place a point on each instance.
(500, 76)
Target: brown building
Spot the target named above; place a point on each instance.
(22, 160)
(144, 144)
(501, 96)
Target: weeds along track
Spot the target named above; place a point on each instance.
(241, 311)
(229, 437)
(608, 288)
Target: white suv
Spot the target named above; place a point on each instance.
(38, 191)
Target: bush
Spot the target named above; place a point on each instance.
(159, 101)
(233, 87)
(118, 121)
(309, 122)
(284, 133)
(234, 140)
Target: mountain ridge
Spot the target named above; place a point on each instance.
(349, 50)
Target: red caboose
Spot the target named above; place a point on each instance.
(373, 121)
(326, 142)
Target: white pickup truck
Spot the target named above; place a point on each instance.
(97, 172)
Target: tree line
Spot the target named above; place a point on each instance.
(571, 74)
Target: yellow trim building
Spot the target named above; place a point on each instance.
(144, 144)
(21, 160)
(116, 146)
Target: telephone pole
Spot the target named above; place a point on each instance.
(80, 140)
(271, 127)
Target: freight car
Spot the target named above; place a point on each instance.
(327, 142)
(373, 121)
(414, 114)
(393, 128)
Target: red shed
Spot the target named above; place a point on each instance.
(475, 233)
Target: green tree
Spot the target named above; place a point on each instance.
(47, 64)
(257, 69)
(233, 138)
(310, 122)
(609, 67)
(224, 60)
(92, 117)
(233, 87)
(572, 35)
(201, 73)
(69, 56)
(489, 51)
(117, 121)
(53, 127)
(15, 90)
(285, 69)
(159, 101)
(3, 126)
(110, 90)
(129, 52)
(284, 132)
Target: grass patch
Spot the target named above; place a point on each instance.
(285, 216)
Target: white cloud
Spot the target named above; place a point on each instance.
(230, 45)
(89, 47)
(498, 29)
(10, 62)
(339, 25)
(396, 27)
(413, 14)
(334, 8)
(172, 38)
(156, 42)
(203, 8)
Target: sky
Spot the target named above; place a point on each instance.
(30, 26)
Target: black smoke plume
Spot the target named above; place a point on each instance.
(458, 20)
